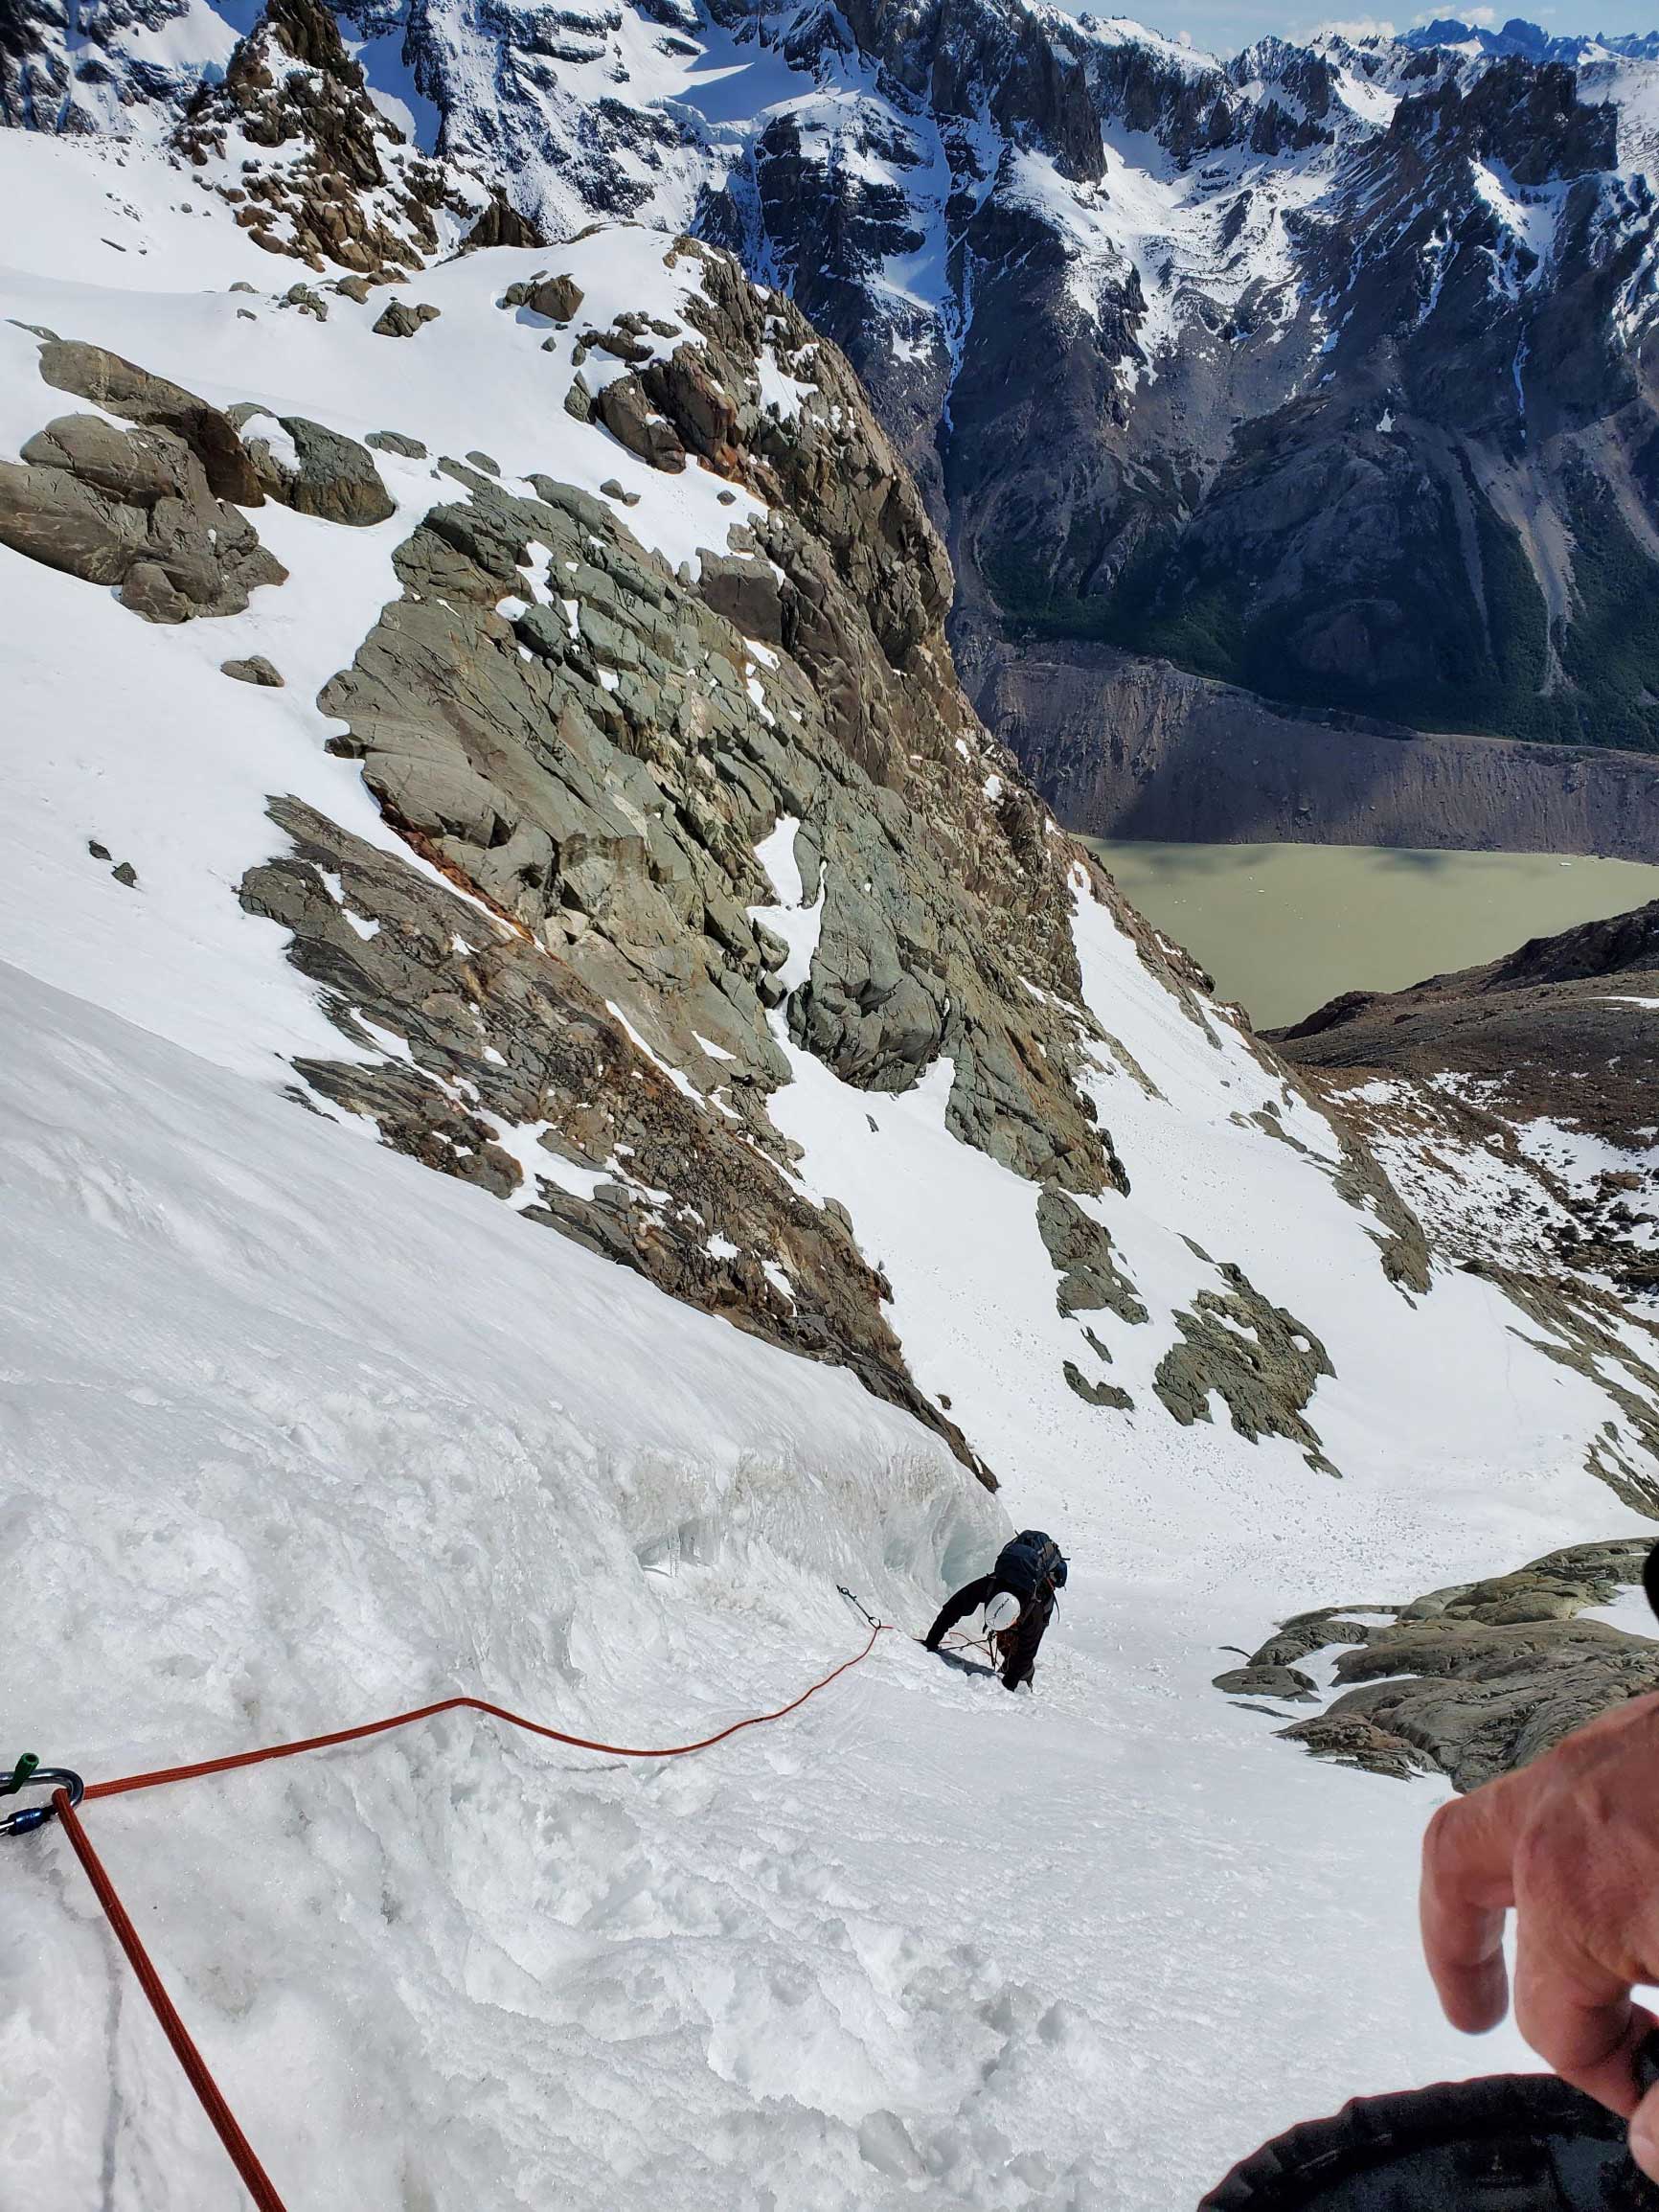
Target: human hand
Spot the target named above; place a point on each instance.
(1571, 1843)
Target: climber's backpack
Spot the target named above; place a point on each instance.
(1032, 1564)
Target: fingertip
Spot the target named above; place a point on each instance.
(1645, 2135)
(1477, 1997)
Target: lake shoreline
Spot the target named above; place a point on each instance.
(1284, 925)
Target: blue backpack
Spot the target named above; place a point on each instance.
(1032, 1564)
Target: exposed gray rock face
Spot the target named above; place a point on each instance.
(632, 421)
(627, 844)
(615, 845)
(558, 298)
(131, 509)
(593, 746)
(1397, 1231)
(1261, 1359)
(399, 319)
(501, 224)
(1106, 1394)
(255, 670)
(1474, 1681)
(1585, 1329)
(1081, 1247)
(504, 1037)
(123, 871)
(331, 475)
(395, 441)
(121, 388)
(1128, 746)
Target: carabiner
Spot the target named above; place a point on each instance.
(30, 1777)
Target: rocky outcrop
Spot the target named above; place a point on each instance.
(1081, 1247)
(1470, 1681)
(395, 441)
(593, 746)
(292, 138)
(604, 787)
(558, 299)
(1262, 1362)
(313, 470)
(132, 509)
(520, 1079)
(501, 224)
(399, 319)
(120, 387)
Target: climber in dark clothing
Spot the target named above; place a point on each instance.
(1018, 1596)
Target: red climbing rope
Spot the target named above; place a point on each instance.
(161, 1774)
(242, 2155)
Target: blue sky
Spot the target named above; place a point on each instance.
(1224, 26)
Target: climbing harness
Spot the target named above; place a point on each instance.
(68, 1792)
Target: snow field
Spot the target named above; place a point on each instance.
(1481, 1457)
(288, 1443)
(297, 1434)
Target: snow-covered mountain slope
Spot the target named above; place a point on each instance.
(297, 1433)
(1319, 370)
(1514, 1101)
(819, 1130)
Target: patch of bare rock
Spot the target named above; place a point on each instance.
(589, 746)
(1470, 1681)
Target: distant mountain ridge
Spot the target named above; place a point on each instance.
(1324, 370)
(1519, 36)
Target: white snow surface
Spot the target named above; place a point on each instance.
(294, 1433)
(297, 1433)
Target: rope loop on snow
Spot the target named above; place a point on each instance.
(29, 1775)
(68, 1791)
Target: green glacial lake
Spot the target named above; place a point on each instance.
(1284, 927)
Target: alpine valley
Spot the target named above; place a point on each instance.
(1271, 409)
(564, 1094)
